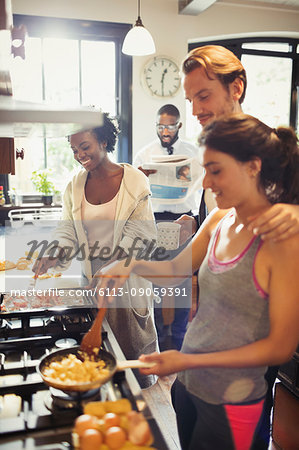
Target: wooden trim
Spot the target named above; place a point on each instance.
(7, 157)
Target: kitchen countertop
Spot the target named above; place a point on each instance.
(4, 209)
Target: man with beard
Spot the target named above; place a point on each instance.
(215, 82)
(168, 143)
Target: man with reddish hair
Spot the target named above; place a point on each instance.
(215, 84)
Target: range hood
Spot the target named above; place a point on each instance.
(26, 119)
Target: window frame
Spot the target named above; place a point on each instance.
(235, 45)
(39, 26)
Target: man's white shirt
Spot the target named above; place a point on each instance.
(179, 148)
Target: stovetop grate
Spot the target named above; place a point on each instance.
(35, 415)
(25, 338)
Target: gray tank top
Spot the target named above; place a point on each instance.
(233, 312)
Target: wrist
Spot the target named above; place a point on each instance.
(189, 361)
(138, 266)
(133, 265)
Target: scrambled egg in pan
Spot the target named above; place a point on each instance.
(70, 370)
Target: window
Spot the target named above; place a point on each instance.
(269, 79)
(272, 67)
(70, 62)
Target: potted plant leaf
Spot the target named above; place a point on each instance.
(42, 182)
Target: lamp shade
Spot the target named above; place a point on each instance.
(138, 42)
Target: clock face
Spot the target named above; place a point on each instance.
(161, 76)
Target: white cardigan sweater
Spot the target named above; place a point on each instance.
(132, 317)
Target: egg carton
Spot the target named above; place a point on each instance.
(43, 217)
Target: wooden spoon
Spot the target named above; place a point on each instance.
(93, 338)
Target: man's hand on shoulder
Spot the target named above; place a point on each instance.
(279, 222)
(147, 172)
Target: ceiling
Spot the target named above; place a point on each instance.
(195, 7)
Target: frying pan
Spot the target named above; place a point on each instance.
(111, 365)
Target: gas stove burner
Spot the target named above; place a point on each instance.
(66, 343)
(57, 400)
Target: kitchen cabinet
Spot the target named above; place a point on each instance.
(7, 156)
(285, 418)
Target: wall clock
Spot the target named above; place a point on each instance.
(161, 77)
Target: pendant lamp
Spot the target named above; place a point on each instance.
(138, 41)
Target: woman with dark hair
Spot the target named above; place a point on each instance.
(106, 212)
(249, 313)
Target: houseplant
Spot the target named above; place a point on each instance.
(42, 182)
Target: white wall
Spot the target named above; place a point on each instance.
(171, 33)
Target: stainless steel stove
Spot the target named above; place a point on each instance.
(46, 416)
